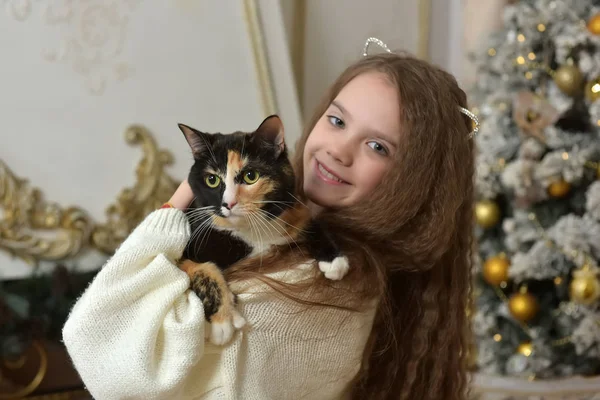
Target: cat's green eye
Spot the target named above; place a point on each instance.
(212, 181)
(251, 177)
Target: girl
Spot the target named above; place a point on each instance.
(387, 163)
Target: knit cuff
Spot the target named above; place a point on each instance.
(166, 221)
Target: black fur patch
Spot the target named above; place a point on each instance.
(217, 246)
(207, 289)
(321, 243)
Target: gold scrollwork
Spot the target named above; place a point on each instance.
(35, 230)
(37, 379)
(153, 188)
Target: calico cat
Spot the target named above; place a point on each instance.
(244, 203)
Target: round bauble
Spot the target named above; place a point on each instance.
(523, 306)
(593, 24)
(585, 287)
(495, 269)
(559, 189)
(569, 79)
(487, 213)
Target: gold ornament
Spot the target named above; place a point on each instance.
(487, 213)
(495, 269)
(559, 189)
(592, 89)
(523, 306)
(525, 348)
(593, 24)
(569, 79)
(585, 286)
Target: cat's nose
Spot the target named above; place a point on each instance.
(229, 206)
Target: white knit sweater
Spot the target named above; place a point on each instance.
(137, 332)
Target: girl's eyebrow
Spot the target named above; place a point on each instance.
(337, 104)
(374, 132)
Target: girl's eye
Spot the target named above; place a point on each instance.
(378, 147)
(335, 121)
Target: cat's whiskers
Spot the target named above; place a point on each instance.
(207, 231)
(199, 216)
(202, 228)
(263, 224)
(270, 221)
(253, 223)
(199, 212)
(297, 199)
(282, 220)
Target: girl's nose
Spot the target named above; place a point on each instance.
(341, 152)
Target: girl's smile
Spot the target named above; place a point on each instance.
(327, 175)
(351, 146)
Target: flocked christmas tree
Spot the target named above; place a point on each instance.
(537, 293)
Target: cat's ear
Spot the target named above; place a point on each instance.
(271, 131)
(197, 140)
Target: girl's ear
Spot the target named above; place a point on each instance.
(271, 131)
(198, 141)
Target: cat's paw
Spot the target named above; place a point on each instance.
(336, 269)
(223, 325)
(225, 321)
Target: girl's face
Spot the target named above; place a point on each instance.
(353, 143)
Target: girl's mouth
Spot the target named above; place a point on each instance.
(328, 176)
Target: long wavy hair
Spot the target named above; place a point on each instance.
(409, 243)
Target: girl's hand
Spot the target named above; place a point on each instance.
(183, 196)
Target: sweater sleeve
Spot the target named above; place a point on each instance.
(137, 331)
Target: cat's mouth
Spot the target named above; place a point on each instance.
(225, 212)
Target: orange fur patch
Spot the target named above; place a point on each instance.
(211, 271)
(249, 194)
(234, 162)
(296, 219)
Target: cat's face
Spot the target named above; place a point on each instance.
(241, 179)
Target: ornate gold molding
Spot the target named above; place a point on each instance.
(153, 188)
(35, 230)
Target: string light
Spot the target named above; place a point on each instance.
(534, 65)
